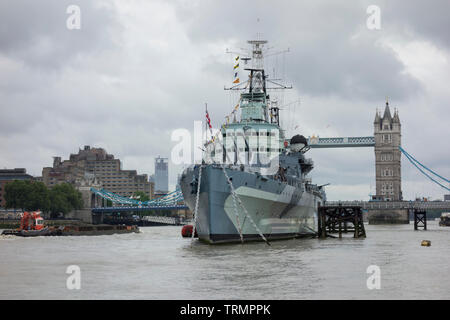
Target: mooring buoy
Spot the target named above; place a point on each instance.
(426, 243)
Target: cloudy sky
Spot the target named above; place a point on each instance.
(138, 69)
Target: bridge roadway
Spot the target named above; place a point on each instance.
(137, 208)
(341, 142)
(165, 220)
(443, 205)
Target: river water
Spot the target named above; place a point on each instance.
(159, 264)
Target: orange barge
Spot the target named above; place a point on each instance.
(32, 225)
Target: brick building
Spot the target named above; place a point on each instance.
(103, 166)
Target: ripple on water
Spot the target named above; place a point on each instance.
(159, 264)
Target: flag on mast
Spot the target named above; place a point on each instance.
(236, 68)
(208, 120)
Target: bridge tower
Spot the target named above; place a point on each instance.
(387, 133)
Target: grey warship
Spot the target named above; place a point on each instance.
(253, 182)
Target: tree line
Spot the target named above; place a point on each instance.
(34, 195)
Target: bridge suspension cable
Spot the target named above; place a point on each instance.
(415, 162)
(410, 156)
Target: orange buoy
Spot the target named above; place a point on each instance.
(186, 231)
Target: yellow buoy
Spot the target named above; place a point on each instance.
(426, 243)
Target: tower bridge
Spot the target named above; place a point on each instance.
(386, 142)
(387, 206)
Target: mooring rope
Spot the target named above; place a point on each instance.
(196, 202)
(233, 192)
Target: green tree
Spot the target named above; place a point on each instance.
(59, 203)
(12, 194)
(64, 198)
(27, 195)
(33, 195)
(141, 196)
(38, 197)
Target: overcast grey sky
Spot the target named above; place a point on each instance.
(137, 70)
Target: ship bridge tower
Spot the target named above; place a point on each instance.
(387, 133)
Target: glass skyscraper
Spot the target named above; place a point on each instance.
(161, 175)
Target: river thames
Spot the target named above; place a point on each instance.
(159, 264)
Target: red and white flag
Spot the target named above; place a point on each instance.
(208, 119)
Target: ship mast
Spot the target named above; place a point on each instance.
(257, 76)
(258, 79)
(256, 85)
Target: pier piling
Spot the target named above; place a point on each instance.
(341, 219)
(420, 219)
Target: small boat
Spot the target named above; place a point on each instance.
(34, 233)
(445, 219)
(31, 225)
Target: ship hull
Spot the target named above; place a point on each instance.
(279, 210)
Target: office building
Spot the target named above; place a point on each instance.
(104, 167)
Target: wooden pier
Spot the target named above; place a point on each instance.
(341, 219)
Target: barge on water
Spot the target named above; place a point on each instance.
(32, 225)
